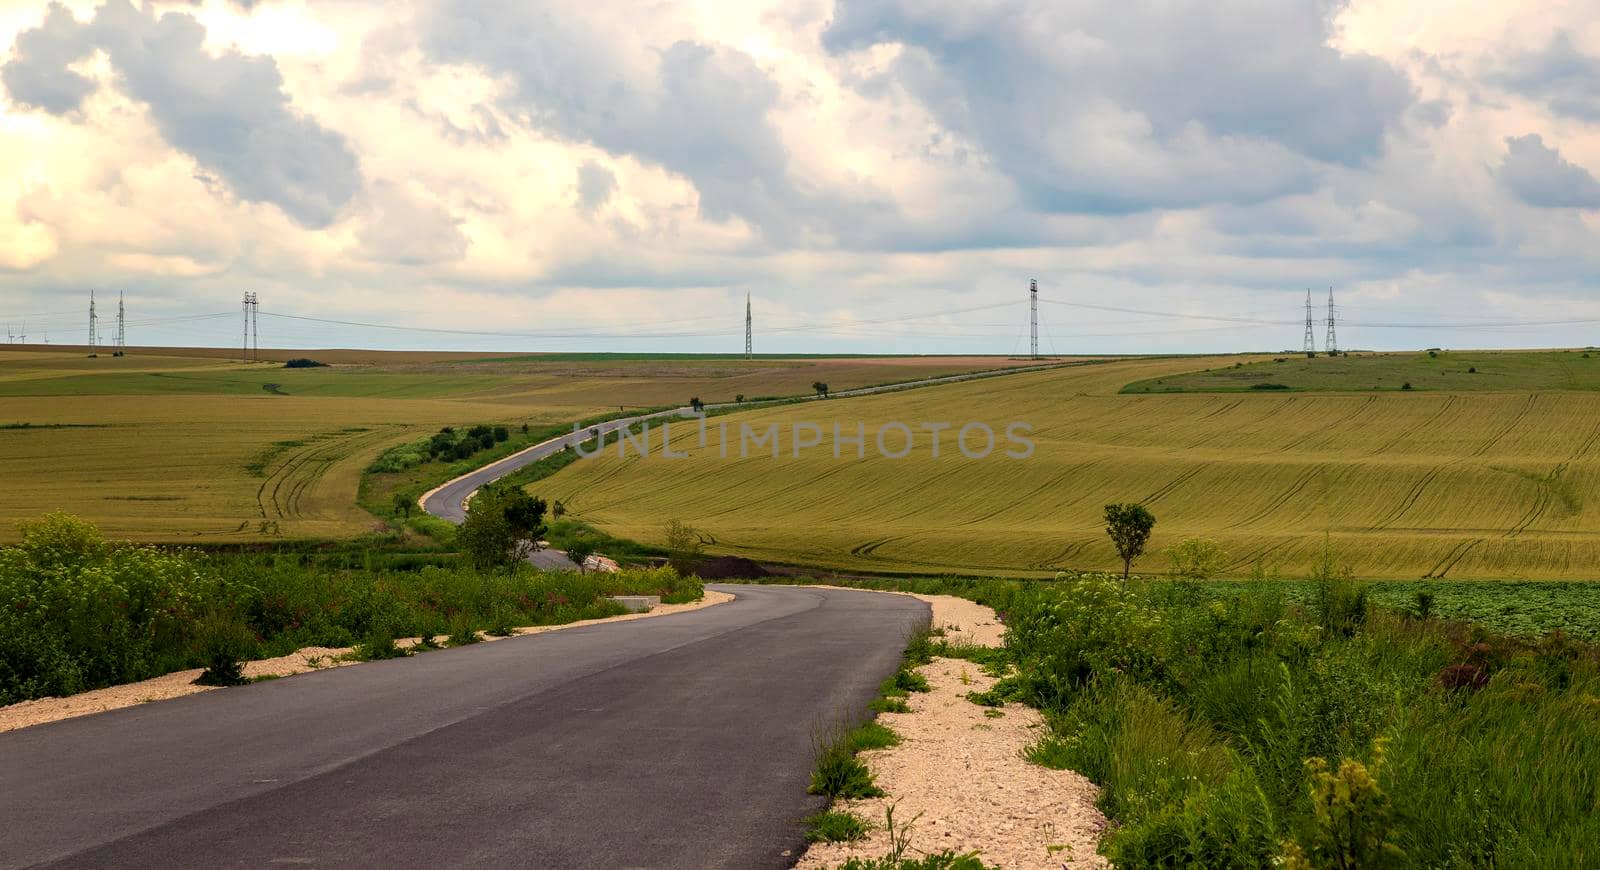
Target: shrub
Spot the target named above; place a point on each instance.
(1197, 558)
(303, 363)
(1269, 386)
(379, 645)
(1352, 818)
(224, 644)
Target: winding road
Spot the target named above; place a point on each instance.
(449, 502)
(676, 741)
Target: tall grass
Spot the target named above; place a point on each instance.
(78, 613)
(1243, 729)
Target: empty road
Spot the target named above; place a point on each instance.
(677, 741)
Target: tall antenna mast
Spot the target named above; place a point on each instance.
(1311, 335)
(749, 332)
(1033, 318)
(94, 327)
(122, 331)
(1332, 344)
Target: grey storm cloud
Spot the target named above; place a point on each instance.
(1093, 106)
(38, 76)
(1561, 76)
(229, 112)
(701, 111)
(1540, 176)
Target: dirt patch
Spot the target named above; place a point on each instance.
(180, 683)
(959, 779)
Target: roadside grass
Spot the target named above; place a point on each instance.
(899, 857)
(79, 613)
(1251, 730)
(836, 826)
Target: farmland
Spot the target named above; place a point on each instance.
(160, 447)
(1437, 484)
(1454, 371)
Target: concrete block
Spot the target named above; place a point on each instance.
(637, 603)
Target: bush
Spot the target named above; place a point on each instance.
(224, 644)
(1269, 386)
(303, 363)
(1197, 558)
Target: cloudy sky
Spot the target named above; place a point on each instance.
(879, 175)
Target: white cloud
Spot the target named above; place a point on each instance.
(602, 164)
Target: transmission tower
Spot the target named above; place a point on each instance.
(94, 327)
(122, 330)
(1311, 335)
(251, 331)
(749, 332)
(1332, 344)
(1033, 318)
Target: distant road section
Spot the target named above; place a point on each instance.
(677, 741)
(448, 502)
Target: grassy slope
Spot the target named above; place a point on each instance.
(196, 450)
(1468, 371)
(1401, 485)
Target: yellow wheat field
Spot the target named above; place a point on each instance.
(161, 447)
(1468, 485)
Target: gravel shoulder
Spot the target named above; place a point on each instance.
(959, 779)
(181, 683)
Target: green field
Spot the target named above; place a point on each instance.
(1453, 371)
(157, 446)
(1404, 485)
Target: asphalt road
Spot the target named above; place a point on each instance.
(676, 741)
(449, 501)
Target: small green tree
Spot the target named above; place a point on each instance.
(502, 524)
(402, 504)
(684, 548)
(1197, 558)
(821, 388)
(580, 550)
(696, 405)
(1129, 526)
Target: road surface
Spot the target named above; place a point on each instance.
(677, 741)
(448, 502)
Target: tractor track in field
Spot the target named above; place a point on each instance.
(1533, 400)
(1588, 444)
(1222, 410)
(1282, 498)
(1433, 419)
(302, 469)
(1451, 559)
(1342, 423)
(1271, 412)
(1054, 562)
(1260, 554)
(869, 549)
(1409, 500)
(1171, 485)
(1547, 497)
(1041, 488)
